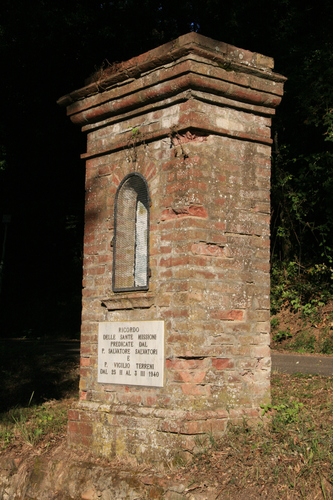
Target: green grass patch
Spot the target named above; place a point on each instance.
(34, 424)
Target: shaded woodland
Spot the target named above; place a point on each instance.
(48, 48)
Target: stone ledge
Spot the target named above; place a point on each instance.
(83, 411)
(139, 300)
(175, 84)
(182, 97)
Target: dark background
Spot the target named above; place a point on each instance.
(49, 47)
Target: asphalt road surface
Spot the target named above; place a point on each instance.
(302, 363)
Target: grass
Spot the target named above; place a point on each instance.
(37, 425)
(290, 455)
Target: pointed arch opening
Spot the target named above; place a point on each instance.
(131, 235)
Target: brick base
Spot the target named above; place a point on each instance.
(148, 435)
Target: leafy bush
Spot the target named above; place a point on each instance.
(327, 347)
(301, 289)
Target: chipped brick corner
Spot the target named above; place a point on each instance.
(201, 111)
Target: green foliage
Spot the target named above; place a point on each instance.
(32, 424)
(303, 209)
(6, 436)
(304, 290)
(304, 342)
(283, 413)
(302, 166)
(274, 323)
(327, 346)
(282, 335)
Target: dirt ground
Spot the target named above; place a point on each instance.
(60, 473)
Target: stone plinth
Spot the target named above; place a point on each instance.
(191, 120)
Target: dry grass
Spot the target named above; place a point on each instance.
(290, 457)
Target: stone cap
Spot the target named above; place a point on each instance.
(227, 56)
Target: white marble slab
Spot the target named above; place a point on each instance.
(131, 353)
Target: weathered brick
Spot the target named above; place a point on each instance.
(85, 361)
(222, 363)
(185, 364)
(195, 390)
(232, 315)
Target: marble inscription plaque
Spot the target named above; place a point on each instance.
(131, 353)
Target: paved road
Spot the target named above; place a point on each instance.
(302, 363)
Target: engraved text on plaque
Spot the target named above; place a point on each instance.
(131, 353)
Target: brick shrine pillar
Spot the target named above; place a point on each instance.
(176, 245)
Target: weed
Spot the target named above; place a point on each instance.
(275, 322)
(201, 440)
(327, 345)
(176, 142)
(190, 483)
(282, 335)
(323, 487)
(6, 437)
(311, 308)
(212, 440)
(283, 414)
(304, 342)
(308, 330)
(179, 460)
(133, 143)
(32, 424)
(267, 447)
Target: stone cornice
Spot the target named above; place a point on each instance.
(227, 66)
